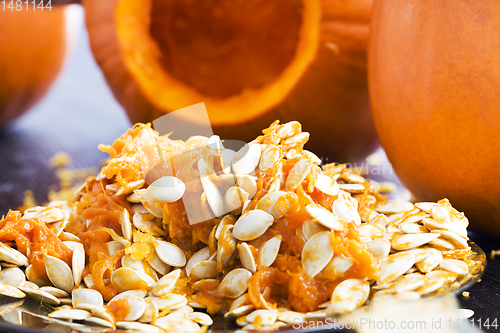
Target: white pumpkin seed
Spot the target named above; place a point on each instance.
(380, 248)
(269, 251)
(12, 276)
(165, 189)
(325, 217)
(297, 174)
(431, 261)
(271, 154)
(246, 257)
(456, 266)
(226, 247)
(310, 228)
(170, 253)
(13, 256)
(200, 255)
(177, 324)
(8, 290)
(395, 207)
(126, 225)
(234, 284)
(327, 185)
(395, 265)
(317, 253)
(252, 224)
(348, 295)
(126, 279)
(234, 198)
(246, 159)
(70, 314)
(268, 203)
(99, 322)
(410, 241)
(166, 284)
(59, 273)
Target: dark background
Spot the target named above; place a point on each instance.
(79, 113)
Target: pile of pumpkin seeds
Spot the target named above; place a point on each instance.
(421, 248)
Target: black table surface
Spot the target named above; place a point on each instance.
(79, 113)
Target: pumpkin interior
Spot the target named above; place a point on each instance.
(234, 42)
(222, 53)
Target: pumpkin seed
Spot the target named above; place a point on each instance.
(425, 206)
(246, 159)
(348, 295)
(13, 256)
(327, 185)
(99, 322)
(164, 189)
(269, 251)
(138, 327)
(12, 276)
(86, 296)
(455, 266)
(59, 273)
(371, 230)
(234, 198)
(126, 279)
(431, 261)
(268, 203)
(395, 265)
(289, 129)
(297, 174)
(347, 208)
(325, 217)
(271, 154)
(234, 284)
(394, 207)
(252, 224)
(248, 184)
(262, 317)
(310, 228)
(170, 253)
(431, 286)
(59, 293)
(226, 247)
(410, 241)
(448, 276)
(177, 324)
(150, 313)
(8, 290)
(380, 248)
(317, 253)
(246, 257)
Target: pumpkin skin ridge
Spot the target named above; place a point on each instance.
(434, 102)
(330, 98)
(35, 48)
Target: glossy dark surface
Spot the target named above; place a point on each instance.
(78, 114)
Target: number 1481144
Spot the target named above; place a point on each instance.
(25, 5)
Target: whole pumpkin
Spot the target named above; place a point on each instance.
(250, 61)
(434, 78)
(32, 50)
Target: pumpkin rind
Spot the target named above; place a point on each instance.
(434, 73)
(33, 46)
(327, 92)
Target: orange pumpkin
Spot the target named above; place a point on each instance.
(434, 74)
(250, 61)
(32, 50)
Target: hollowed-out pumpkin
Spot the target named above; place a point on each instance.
(32, 50)
(250, 61)
(434, 76)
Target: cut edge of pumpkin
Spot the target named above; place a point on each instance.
(167, 93)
